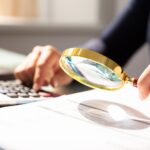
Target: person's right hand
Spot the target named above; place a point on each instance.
(143, 83)
(41, 67)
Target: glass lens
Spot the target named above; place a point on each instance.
(90, 73)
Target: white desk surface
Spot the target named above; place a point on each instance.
(57, 124)
(9, 60)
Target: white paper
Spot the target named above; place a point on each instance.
(58, 124)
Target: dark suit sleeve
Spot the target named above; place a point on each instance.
(125, 34)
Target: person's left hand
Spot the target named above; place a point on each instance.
(41, 67)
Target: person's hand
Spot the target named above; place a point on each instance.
(143, 83)
(41, 67)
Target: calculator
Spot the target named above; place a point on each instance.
(13, 92)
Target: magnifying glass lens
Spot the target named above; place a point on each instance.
(90, 72)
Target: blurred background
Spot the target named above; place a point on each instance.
(62, 23)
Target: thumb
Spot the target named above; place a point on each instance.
(60, 79)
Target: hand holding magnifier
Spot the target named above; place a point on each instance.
(93, 69)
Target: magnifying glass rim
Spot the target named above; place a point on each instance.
(98, 58)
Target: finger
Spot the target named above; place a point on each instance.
(30, 64)
(49, 56)
(20, 74)
(25, 71)
(61, 78)
(144, 83)
(41, 77)
(45, 66)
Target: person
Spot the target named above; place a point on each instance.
(119, 41)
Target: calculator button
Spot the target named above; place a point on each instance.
(12, 95)
(23, 91)
(3, 91)
(34, 94)
(12, 91)
(25, 95)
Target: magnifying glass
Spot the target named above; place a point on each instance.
(94, 69)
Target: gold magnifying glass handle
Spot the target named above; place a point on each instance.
(133, 81)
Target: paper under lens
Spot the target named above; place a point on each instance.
(91, 72)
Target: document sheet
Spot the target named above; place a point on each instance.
(90, 120)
